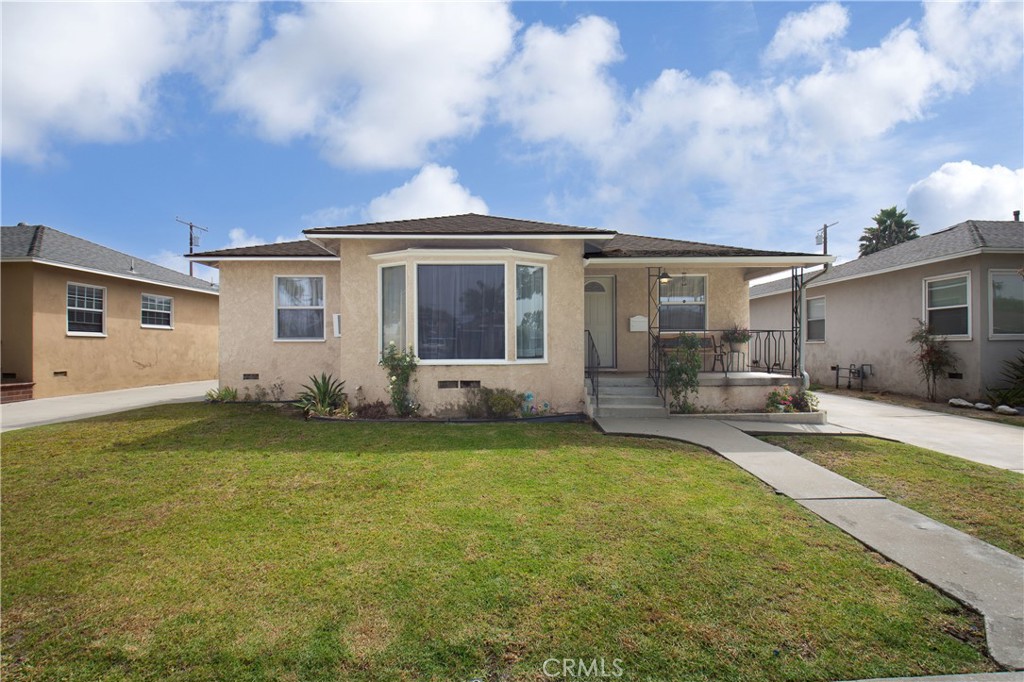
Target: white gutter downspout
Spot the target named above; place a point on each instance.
(805, 378)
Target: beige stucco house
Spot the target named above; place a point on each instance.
(490, 301)
(967, 281)
(77, 317)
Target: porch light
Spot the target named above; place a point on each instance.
(664, 277)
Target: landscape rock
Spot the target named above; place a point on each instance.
(960, 402)
(982, 406)
(1006, 409)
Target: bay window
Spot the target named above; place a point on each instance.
(530, 323)
(461, 312)
(392, 306)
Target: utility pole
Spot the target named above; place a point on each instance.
(821, 239)
(193, 240)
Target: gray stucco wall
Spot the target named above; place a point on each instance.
(868, 321)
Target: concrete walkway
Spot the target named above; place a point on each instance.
(992, 443)
(71, 407)
(974, 572)
(1015, 676)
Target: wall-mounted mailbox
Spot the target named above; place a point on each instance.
(638, 323)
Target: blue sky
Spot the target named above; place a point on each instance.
(739, 123)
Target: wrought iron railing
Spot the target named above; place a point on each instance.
(767, 350)
(592, 370)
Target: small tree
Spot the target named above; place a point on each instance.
(682, 366)
(933, 356)
(891, 227)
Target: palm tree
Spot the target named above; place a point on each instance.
(891, 227)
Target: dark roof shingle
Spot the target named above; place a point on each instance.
(47, 244)
(638, 246)
(466, 224)
(303, 248)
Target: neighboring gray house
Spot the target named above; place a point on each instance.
(967, 281)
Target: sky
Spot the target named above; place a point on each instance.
(742, 123)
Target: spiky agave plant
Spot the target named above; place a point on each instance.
(323, 396)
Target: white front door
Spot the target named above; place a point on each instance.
(599, 315)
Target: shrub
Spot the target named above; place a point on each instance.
(736, 335)
(495, 403)
(224, 394)
(378, 409)
(933, 356)
(781, 400)
(400, 366)
(1013, 393)
(682, 367)
(323, 396)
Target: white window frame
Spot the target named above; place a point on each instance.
(380, 302)
(707, 297)
(323, 307)
(544, 358)
(925, 309)
(170, 317)
(823, 318)
(103, 311)
(992, 336)
(416, 311)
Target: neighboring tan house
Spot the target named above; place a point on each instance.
(78, 317)
(491, 301)
(967, 281)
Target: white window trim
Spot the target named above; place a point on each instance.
(156, 326)
(543, 360)
(807, 315)
(323, 331)
(992, 336)
(970, 316)
(97, 335)
(707, 297)
(416, 316)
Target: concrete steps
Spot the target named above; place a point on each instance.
(627, 396)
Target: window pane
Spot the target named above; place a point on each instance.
(85, 321)
(300, 323)
(948, 321)
(816, 309)
(815, 330)
(529, 311)
(681, 317)
(947, 292)
(392, 299)
(683, 289)
(300, 291)
(461, 312)
(1007, 303)
(156, 318)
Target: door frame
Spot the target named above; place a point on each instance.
(615, 302)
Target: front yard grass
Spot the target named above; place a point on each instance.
(198, 542)
(981, 500)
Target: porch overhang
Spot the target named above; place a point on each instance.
(754, 266)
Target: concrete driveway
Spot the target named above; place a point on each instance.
(70, 407)
(998, 445)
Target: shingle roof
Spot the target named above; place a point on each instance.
(465, 224)
(637, 246)
(302, 248)
(963, 238)
(47, 244)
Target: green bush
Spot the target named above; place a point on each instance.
(494, 403)
(323, 396)
(682, 367)
(225, 394)
(400, 366)
(934, 357)
(781, 400)
(1013, 374)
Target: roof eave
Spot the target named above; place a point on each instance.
(459, 235)
(106, 273)
(746, 261)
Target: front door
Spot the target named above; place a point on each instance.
(599, 315)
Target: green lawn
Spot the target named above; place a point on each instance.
(978, 499)
(197, 542)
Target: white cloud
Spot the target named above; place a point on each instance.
(961, 191)
(558, 86)
(170, 259)
(975, 38)
(434, 191)
(330, 216)
(376, 85)
(809, 33)
(238, 237)
(84, 71)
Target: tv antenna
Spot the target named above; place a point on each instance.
(193, 240)
(821, 239)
